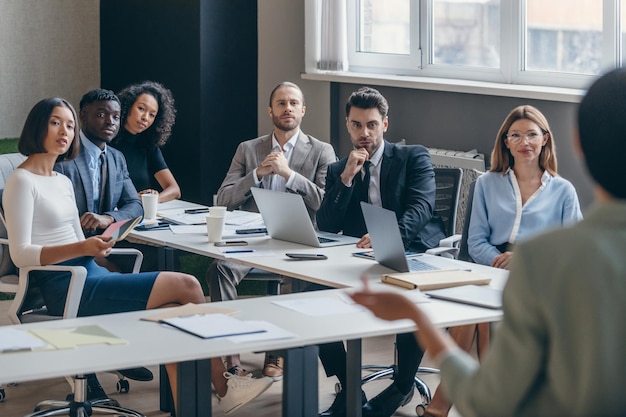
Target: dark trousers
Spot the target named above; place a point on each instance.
(333, 357)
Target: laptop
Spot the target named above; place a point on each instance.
(477, 295)
(382, 226)
(286, 218)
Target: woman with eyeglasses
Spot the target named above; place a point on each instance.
(521, 196)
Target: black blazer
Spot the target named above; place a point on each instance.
(407, 187)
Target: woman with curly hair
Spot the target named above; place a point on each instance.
(148, 115)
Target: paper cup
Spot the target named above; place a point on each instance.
(150, 203)
(214, 227)
(218, 211)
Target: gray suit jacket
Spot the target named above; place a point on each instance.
(560, 348)
(309, 160)
(121, 191)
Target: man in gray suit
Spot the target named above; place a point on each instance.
(285, 160)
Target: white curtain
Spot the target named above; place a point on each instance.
(333, 50)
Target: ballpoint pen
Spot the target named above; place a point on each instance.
(239, 251)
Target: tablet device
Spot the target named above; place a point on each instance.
(119, 230)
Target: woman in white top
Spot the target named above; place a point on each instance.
(44, 229)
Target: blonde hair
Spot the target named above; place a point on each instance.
(501, 158)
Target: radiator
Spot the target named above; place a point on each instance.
(457, 159)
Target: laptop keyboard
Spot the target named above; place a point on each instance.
(325, 239)
(417, 265)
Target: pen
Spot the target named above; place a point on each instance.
(239, 251)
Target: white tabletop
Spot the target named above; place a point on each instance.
(150, 343)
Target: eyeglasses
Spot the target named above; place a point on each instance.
(530, 137)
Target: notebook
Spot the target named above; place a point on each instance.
(384, 232)
(482, 296)
(286, 218)
(433, 280)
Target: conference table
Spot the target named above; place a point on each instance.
(150, 343)
(340, 270)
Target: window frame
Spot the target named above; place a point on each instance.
(512, 49)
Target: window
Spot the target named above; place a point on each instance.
(557, 43)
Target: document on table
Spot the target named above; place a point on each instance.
(320, 306)
(209, 326)
(188, 309)
(72, 337)
(271, 332)
(16, 340)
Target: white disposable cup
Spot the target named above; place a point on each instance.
(214, 227)
(150, 203)
(218, 211)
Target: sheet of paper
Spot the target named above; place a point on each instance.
(188, 229)
(241, 218)
(184, 218)
(272, 332)
(320, 306)
(188, 309)
(72, 337)
(16, 340)
(209, 326)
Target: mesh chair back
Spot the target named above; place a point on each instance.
(448, 182)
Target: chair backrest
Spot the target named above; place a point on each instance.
(8, 272)
(463, 249)
(469, 176)
(448, 182)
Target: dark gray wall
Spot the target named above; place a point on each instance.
(461, 122)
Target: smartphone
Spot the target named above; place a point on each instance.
(197, 210)
(307, 256)
(231, 243)
(251, 231)
(153, 226)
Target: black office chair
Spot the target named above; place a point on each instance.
(448, 186)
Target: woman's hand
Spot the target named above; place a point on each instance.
(98, 246)
(148, 191)
(503, 260)
(385, 305)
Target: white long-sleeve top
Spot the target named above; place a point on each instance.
(40, 211)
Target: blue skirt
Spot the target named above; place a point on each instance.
(105, 292)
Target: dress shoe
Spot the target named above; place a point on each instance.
(273, 367)
(137, 374)
(387, 402)
(338, 407)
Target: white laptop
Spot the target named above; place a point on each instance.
(384, 232)
(286, 218)
(478, 295)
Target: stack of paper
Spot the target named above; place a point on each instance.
(15, 340)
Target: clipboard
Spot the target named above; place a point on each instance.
(211, 326)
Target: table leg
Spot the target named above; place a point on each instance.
(166, 259)
(194, 388)
(300, 384)
(353, 388)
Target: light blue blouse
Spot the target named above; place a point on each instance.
(498, 215)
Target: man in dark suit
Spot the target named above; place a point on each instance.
(398, 178)
(102, 201)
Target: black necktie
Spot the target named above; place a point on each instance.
(362, 183)
(103, 182)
